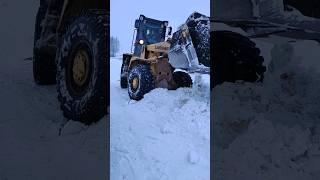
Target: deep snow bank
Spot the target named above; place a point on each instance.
(271, 130)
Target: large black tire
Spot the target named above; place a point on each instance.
(182, 79)
(235, 57)
(124, 70)
(145, 81)
(123, 79)
(199, 27)
(86, 103)
(44, 67)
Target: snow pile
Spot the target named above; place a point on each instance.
(265, 9)
(223, 26)
(270, 7)
(276, 10)
(271, 131)
(166, 135)
(296, 16)
(232, 9)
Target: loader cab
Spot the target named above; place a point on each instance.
(149, 31)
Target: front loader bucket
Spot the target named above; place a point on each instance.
(182, 53)
(190, 46)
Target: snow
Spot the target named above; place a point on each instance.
(224, 27)
(30, 145)
(251, 9)
(270, 7)
(271, 130)
(296, 15)
(232, 9)
(166, 135)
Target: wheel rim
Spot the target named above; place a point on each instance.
(80, 67)
(135, 83)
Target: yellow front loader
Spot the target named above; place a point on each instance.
(155, 60)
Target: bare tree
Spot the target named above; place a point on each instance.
(114, 46)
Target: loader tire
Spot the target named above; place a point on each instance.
(182, 79)
(123, 82)
(235, 57)
(199, 31)
(123, 79)
(82, 68)
(140, 81)
(44, 67)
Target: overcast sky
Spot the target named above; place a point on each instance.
(124, 12)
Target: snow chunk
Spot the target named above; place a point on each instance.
(193, 157)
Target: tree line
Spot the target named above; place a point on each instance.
(114, 46)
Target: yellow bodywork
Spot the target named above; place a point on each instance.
(156, 55)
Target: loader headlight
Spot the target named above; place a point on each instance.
(141, 42)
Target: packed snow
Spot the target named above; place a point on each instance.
(31, 147)
(166, 135)
(271, 130)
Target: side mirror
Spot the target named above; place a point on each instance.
(137, 23)
(170, 31)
